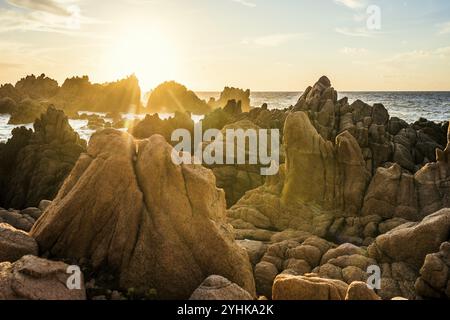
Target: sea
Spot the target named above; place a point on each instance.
(409, 106)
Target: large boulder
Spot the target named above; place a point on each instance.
(14, 244)
(153, 225)
(33, 278)
(289, 287)
(219, 288)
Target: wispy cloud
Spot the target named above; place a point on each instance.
(415, 55)
(51, 6)
(275, 40)
(444, 28)
(62, 16)
(245, 3)
(352, 4)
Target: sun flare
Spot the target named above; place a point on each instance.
(145, 52)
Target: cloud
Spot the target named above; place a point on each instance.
(61, 16)
(245, 3)
(55, 7)
(274, 40)
(353, 51)
(352, 4)
(444, 28)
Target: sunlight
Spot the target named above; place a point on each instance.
(145, 52)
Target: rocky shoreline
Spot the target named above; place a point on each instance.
(356, 189)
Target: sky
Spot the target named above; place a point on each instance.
(263, 45)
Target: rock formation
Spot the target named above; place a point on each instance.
(33, 278)
(154, 225)
(219, 288)
(230, 93)
(14, 244)
(170, 97)
(35, 164)
(330, 188)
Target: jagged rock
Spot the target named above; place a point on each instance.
(37, 87)
(229, 93)
(7, 105)
(434, 280)
(171, 97)
(288, 287)
(36, 163)
(33, 278)
(152, 124)
(359, 291)
(154, 207)
(219, 288)
(27, 111)
(14, 244)
(79, 94)
(318, 180)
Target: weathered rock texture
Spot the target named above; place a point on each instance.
(33, 278)
(288, 287)
(340, 179)
(219, 288)
(154, 224)
(33, 165)
(14, 244)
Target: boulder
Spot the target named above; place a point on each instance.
(155, 224)
(288, 287)
(219, 288)
(360, 291)
(33, 278)
(14, 244)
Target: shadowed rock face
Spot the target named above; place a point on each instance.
(35, 164)
(230, 93)
(153, 224)
(172, 96)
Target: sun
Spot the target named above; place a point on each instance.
(146, 52)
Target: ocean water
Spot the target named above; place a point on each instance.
(409, 106)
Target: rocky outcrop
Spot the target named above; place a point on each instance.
(219, 288)
(319, 182)
(35, 164)
(153, 124)
(342, 179)
(359, 291)
(155, 225)
(171, 96)
(40, 87)
(434, 280)
(380, 138)
(14, 244)
(401, 265)
(33, 278)
(79, 94)
(289, 287)
(230, 93)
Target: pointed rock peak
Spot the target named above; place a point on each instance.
(324, 81)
